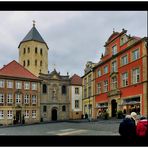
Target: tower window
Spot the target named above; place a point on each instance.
(28, 49)
(41, 52)
(40, 63)
(24, 50)
(35, 62)
(36, 50)
(28, 63)
(23, 63)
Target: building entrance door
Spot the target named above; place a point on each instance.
(54, 114)
(114, 107)
(18, 116)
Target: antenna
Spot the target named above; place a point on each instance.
(33, 23)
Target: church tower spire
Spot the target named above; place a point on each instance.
(33, 52)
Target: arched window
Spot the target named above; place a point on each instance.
(63, 108)
(41, 52)
(63, 89)
(40, 63)
(28, 63)
(24, 63)
(44, 88)
(36, 50)
(28, 49)
(35, 62)
(24, 50)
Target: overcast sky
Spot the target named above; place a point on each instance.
(73, 37)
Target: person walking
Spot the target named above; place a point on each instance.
(127, 127)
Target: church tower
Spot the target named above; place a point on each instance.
(33, 52)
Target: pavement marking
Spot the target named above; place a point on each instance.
(50, 132)
(70, 133)
(2, 134)
(68, 129)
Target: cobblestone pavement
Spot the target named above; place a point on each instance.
(79, 127)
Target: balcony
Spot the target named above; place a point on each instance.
(114, 92)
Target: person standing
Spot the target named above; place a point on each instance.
(134, 117)
(127, 127)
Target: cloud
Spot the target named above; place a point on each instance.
(73, 37)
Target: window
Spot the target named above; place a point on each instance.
(76, 90)
(76, 103)
(1, 114)
(44, 88)
(24, 50)
(34, 99)
(24, 63)
(123, 40)
(33, 113)
(105, 86)
(28, 63)
(99, 72)
(63, 89)
(89, 80)
(1, 98)
(40, 63)
(9, 84)
(26, 113)
(99, 88)
(18, 98)
(27, 85)
(26, 99)
(124, 60)
(85, 81)
(28, 49)
(114, 82)
(114, 66)
(9, 98)
(2, 83)
(44, 108)
(63, 108)
(10, 114)
(89, 91)
(125, 79)
(105, 69)
(35, 62)
(136, 75)
(85, 93)
(18, 85)
(36, 50)
(41, 52)
(34, 86)
(114, 49)
(135, 54)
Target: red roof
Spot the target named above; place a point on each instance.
(14, 69)
(76, 80)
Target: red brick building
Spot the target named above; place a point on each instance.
(19, 95)
(120, 77)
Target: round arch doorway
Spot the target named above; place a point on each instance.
(54, 114)
(114, 107)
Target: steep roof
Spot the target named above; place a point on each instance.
(14, 69)
(76, 80)
(33, 35)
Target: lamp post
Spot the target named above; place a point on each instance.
(89, 117)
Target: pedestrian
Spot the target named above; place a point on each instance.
(142, 127)
(134, 117)
(127, 127)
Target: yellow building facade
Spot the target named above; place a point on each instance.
(88, 101)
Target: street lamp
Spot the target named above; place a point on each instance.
(89, 117)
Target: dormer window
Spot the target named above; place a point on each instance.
(28, 49)
(41, 52)
(123, 40)
(24, 50)
(114, 50)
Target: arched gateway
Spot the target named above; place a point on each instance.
(54, 114)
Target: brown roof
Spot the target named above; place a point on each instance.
(76, 80)
(14, 69)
